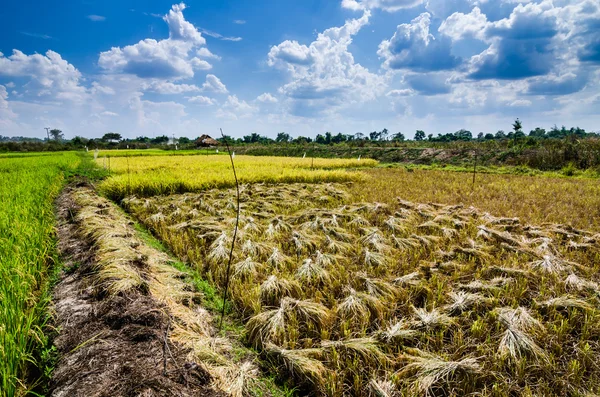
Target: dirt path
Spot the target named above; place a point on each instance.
(113, 344)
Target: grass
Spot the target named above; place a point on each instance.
(28, 186)
(346, 289)
(150, 176)
(532, 199)
(154, 152)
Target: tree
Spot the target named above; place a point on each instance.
(518, 129)
(320, 139)
(111, 136)
(160, 139)
(184, 140)
(463, 135)
(488, 137)
(339, 138)
(282, 137)
(500, 134)
(517, 126)
(398, 137)
(420, 135)
(359, 136)
(538, 133)
(383, 135)
(480, 136)
(374, 136)
(56, 134)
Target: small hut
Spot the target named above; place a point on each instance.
(206, 141)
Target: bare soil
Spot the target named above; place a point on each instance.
(112, 345)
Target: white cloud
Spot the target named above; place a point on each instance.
(213, 84)
(520, 103)
(164, 87)
(167, 59)
(239, 22)
(266, 98)
(10, 84)
(235, 108)
(460, 26)
(201, 100)
(413, 47)
(179, 28)
(220, 36)
(399, 93)
(205, 53)
(107, 113)
(386, 5)
(323, 75)
(97, 88)
(96, 18)
(49, 75)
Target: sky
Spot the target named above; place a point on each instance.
(154, 67)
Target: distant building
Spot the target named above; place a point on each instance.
(206, 141)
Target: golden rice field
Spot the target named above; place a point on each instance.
(371, 288)
(156, 175)
(533, 199)
(347, 279)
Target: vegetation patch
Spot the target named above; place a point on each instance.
(150, 176)
(367, 298)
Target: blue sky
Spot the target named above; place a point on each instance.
(304, 67)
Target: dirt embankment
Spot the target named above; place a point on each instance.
(113, 342)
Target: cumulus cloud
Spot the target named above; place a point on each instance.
(558, 85)
(400, 93)
(167, 59)
(266, 98)
(96, 18)
(386, 5)
(324, 75)
(213, 84)
(49, 74)
(428, 84)
(459, 26)
(521, 45)
(164, 87)
(108, 113)
(414, 47)
(235, 108)
(201, 100)
(205, 53)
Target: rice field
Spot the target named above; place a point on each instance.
(342, 297)
(150, 176)
(347, 279)
(28, 186)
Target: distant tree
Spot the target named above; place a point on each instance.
(79, 141)
(430, 137)
(328, 137)
(398, 137)
(160, 140)
(538, 133)
(488, 136)
(282, 137)
(184, 140)
(359, 136)
(320, 139)
(383, 135)
(56, 134)
(374, 136)
(480, 136)
(463, 135)
(111, 136)
(142, 139)
(517, 126)
(420, 135)
(339, 138)
(302, 140)
(500, 135)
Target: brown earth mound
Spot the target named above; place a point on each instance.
(113, 344)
